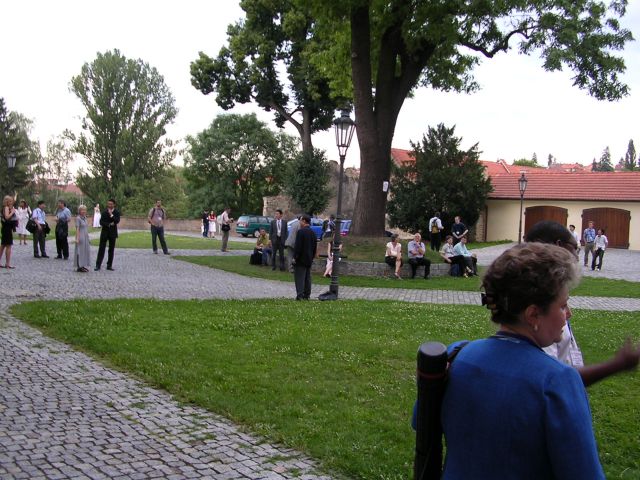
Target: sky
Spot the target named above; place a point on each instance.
(520, 109)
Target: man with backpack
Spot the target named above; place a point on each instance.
(157, 216)
(435, 227)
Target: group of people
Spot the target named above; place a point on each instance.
(515, 404)
(300, 243)
(595, 243)
(435, 227)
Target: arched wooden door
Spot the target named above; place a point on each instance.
(614, 221)
(533, 215)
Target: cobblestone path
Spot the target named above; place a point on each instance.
(63, 415)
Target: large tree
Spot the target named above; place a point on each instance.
(15, 131)
(267, 61)
(128, 107)
(604, 165)
(236, 161)
(392, 47)
(442, 179)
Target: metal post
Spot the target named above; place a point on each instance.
(337, 235)
(520, 226)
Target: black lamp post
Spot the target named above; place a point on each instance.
(522, 186)
(11, 165)
(344, 128)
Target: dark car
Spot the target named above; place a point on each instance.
(251, 224)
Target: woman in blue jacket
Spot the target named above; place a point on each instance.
(511, 411)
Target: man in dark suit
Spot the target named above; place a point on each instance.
(109, 222)
(278, 235)
(303, 254)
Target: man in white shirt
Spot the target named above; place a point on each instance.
(39, 235)
(416, 256)
(278, 236)
(225, 226)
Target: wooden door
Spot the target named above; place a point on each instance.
(614, 221)
(533, 215)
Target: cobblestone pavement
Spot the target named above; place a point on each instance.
(63, 415)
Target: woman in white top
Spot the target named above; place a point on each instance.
(600, 245)
(393, 255)
(24, 213)
(212, 224)
(96, 216)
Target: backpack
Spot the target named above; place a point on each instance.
(434, 227)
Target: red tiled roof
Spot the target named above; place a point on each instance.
(401, 157)
(612, 186)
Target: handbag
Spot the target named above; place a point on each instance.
(225, 227)
(31, 226)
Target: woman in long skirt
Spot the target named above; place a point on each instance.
(96, 216)
(81, 261)
(24, 213)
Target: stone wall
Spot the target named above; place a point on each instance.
(379, 269)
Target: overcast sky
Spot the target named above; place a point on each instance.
(520, 109)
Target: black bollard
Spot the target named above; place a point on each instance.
(432, 369)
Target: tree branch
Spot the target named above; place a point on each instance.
(502, 46)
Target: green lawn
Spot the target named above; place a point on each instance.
(593, 287)
(175, 242)
(336, 380)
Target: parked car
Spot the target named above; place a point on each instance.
(251, 224)
(316, 226)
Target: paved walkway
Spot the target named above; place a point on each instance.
(63, 415)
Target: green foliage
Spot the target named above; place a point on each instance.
(337, 383)
(604, 165)
(128, 106)
(308, 181)
(235, 162)
(630, 158)
(443, 179)
(15, 130)
(168, 186)
(273, 38)
(525, 162)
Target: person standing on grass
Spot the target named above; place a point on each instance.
(304, 252)
(81, 256)
(109, 221)
(416, 256)
(63, 216)
(458, 230)
(435, 229)
(566, 350)
(589, 237)
(290, 242)
(156, 218)
(39, 236)
(225, 226)
(600, 243)
(9, 221)
(278, 236)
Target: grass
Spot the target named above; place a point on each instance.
(174, 242)
(336, 380)
(589, 286)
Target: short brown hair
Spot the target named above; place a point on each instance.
(527, 274)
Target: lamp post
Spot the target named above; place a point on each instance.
(522, 186)
(11, 164)
(344, 128)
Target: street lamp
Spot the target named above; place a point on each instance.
(344, 128)
(11, 165)
(522, 186)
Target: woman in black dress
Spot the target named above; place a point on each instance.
(9, 222)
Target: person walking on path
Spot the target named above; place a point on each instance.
(39, 216)
(9, 221)
(81, 254)
(278, 236)
(96, 216)
(600, 243)
(109, 221)
(225, 226)
(24, 213)
(63, 216)
(290, 242)
(588, 237)
(435, 229)
(156, 218)
(304, 253)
